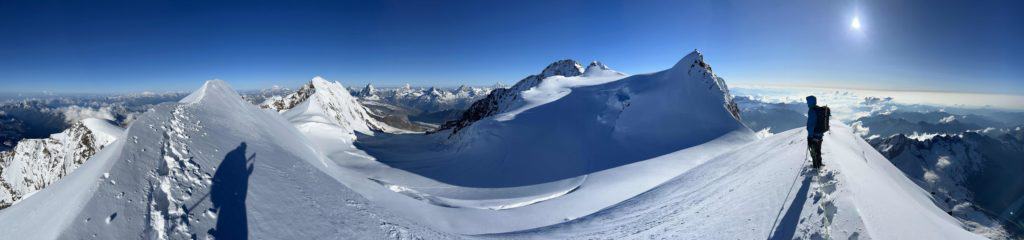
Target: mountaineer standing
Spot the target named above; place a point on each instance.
(817, 125)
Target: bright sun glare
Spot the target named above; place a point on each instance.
(856, 23)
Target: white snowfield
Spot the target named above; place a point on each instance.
(646, 156)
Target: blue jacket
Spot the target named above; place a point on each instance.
(812, 118)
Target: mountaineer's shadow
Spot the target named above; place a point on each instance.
(228, 192)
(787, 226)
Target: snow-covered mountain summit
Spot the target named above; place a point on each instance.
(325, 102)
(566, 74)
(503, 99)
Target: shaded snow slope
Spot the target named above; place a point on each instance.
(36, 163)
(765, 191)
(211, 165)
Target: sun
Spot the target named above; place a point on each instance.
(855, 24)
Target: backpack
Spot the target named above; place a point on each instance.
(822, 115)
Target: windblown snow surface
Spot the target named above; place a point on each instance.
(658, 155)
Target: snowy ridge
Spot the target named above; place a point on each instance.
(324, 102)
(37, 163)
(331, 103)
(504, 99)
(213, 166)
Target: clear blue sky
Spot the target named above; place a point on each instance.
(102, 46)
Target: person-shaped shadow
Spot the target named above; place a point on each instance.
(228, 192)
(787, 226)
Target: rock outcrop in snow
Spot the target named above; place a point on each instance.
(37, 163)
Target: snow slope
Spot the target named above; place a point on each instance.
(764, 190)
(209, 162)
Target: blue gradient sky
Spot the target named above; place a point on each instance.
(104, 46)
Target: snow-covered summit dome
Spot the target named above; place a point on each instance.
(214, 87)
(598, 69)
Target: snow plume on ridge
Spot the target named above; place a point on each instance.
(73, 114)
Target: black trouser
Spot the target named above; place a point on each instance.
(815, 146)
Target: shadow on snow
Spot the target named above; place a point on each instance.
(787, 226)
(228, 192)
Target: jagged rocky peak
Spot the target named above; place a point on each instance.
(463, 88)
(566, 67)
(36, 163)
(694, 61)
(367, 91)
(597, 65)
(282, 104)
(693, 65)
